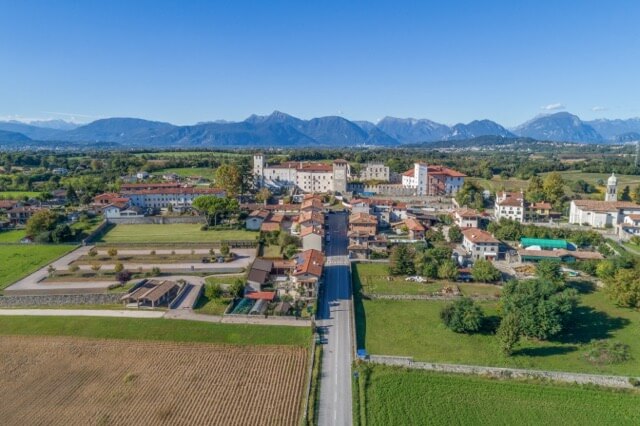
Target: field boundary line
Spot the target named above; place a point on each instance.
(307, 390)
(621, 382)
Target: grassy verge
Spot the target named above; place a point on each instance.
(314, 397)
(400, 396)
(13, 236)
(212, 306)
(154, 329)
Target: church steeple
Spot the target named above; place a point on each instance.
(612, 188)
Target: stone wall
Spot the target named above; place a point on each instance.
(60, 299)
(498, 372)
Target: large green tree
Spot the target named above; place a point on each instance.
(462, 316)
(470, 195)
(42, 221)
(229, 178)
(553, 186)
(215, 208)
(401, 261)
(484, 271)
(550, 270)
(624, 288)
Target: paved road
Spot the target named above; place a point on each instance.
(334, 318)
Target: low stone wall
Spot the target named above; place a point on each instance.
(498, 372)
(421, 297)
(96, 232)
(60, 299)
(157, 220)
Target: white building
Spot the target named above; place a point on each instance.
(305, 176)
(466, 218)
(117, 212)
(612, 188)
(480, 244)
(178, 198)
(432, 180)
(601, 214)
(509, 205)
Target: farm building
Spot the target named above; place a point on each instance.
(255, 219)
(153, 293)
(560, 255)
(259, 273)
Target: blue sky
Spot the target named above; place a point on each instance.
(190, 61)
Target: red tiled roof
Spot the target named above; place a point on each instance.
(360, 218)
(312, 216)
(312, 230)
(134, 186)
(263, 214)
(269, 226)
(409, 173)
(262, 295)
(188, 190)
(476, 235)
(312, 203)
(414, 225)
(605, 206)
(309, 262)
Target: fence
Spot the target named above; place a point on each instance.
(499, 372)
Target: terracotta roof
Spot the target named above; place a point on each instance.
(284, 263)
(467, 213)
(312, 230)
(360, 218)
(605, 206)
(409, 173)
(261, 295)
(312, 203)
(311, 216)
(271, 207)
(270, 226)
(476, 235)
(441, 170)
(7, 204)
(134, 186)
(303, 166)
(106, 196)
(414, 225)
(309, 262)
(541, 205)
(634, 217)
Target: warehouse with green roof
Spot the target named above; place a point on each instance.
(544, 243)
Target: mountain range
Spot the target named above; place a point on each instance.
(282, 130)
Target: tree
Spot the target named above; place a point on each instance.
(213, 291)
(236, 289)
(224, 249)
(455, 234)
(553, 187)
(462, 316)
(625, 195)
(508, 333)
(228, 177)
(401, 261)
(430, 270)
(155, 271)
(470, 194)
(624, 288)
(606, 269)
(41, 221)
(541, 307)
(263, 195)
(550, 270)
(51, 270)
(484, 271)
(93, 252)
(636, 194)
(118, 267)
(448, 270)
(112, 252)
(61, 233)
(535, 191)
(95, 267)
(123, 276)
(290, 251)
(74, 268)
(214, 207)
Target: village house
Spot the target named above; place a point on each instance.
(312, 238)
(480, 244)
(466, 218)
(601, 214)
(363, 222)
(426, 180)
(255, 219)
(510, 205)
(307, 272)
(19, 215)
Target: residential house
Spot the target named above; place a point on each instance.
(116, 211)
(19, 215)
(363, 222)
(510, 205)
(466, 218)
(308, 272)
(312, 238)
(259, 274)
(426, 180)
(415, 228)
(480, 244)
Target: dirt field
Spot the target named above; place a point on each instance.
(72, 381)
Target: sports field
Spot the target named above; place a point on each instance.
(394, 396)
(414, 328)
(18, 261)
(176, 233)
(68, 380)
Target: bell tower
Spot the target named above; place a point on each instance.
(612, 188)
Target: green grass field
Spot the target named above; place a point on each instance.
(414, 328)
(17, 195)
(398, 396)
(17, 261)
(176, 233)
(155, 329)
(13, 236)
(212, 306)
(182, 154)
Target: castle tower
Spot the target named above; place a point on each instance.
(612, 188)
(258, 169)
(340, 174)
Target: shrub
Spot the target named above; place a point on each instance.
(118, 267)
(112, 252)
(213, 291)
(155, 271)
(74, 268)
(462, 316)
(93, 252)
(224, 249)
(606, 352)
(123, 276)
(152, 253)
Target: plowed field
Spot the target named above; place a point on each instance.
(74, 381)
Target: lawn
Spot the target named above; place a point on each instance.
(223, 280)
(414, 328)
(212, 306)
(155, 329)
(400, 396)
(175, 233)
(271, 251)
(13, 236)
(374, 279)
(17, 261)
(17, 195)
